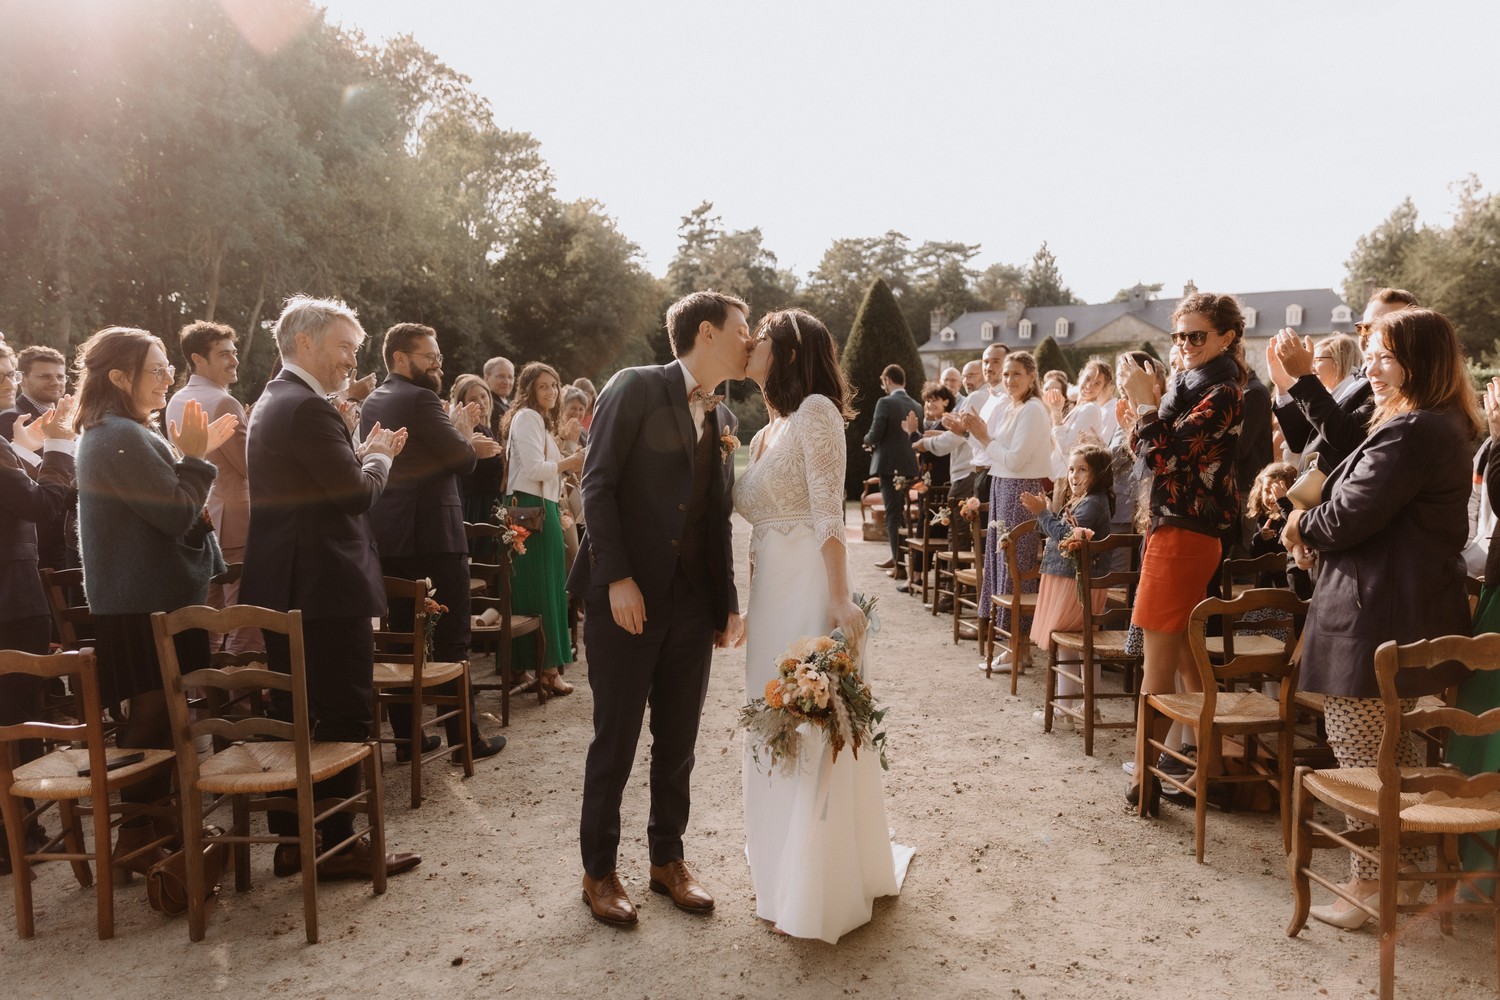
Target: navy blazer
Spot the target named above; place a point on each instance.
(892, 445)
(1389, 536)
(1313, 421)
(637, 480)
(420, 512)
(310, 546)
(26, 502)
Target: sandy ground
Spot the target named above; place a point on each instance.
(1029, 879)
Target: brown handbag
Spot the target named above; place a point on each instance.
(530, 518)
(166, 882)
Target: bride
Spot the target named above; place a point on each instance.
(817, 840)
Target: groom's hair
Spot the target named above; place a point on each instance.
(686, 314)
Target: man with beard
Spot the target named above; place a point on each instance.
(43, 380)
(418, 521)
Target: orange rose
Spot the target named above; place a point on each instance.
(773, 694)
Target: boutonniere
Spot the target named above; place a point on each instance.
(728, 445)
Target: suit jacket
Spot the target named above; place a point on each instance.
(1256, 449)
(55, 537)
(892, 445)
(25, 503)
(637, 480)
(1311, 420)
(420, 512)
(310, 544)
(1389, 536)
(229, 500)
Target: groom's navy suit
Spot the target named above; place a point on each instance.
(657, 500)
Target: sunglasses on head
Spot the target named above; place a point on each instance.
(1194, 337)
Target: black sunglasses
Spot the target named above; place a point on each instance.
(1194, 337)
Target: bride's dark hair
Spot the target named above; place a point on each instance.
(804, 361)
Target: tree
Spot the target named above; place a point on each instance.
(1043, 285)
(1150, 349)
(1123, 295)
(837, 286)
(878, 338)
(1049, 357)
(1382, 257)
(996, 283)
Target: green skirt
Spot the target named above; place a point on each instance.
(1479, 754)
(539, 587)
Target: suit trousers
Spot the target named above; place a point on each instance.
(449, 573)
(340, 655)
(666, 667)
(895, 515)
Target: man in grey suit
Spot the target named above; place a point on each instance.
(892, 456)
(213, 363)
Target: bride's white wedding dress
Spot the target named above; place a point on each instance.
(817, 840)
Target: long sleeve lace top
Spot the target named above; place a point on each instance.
(800, 479)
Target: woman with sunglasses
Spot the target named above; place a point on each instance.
(146, 542)
(1186, 439)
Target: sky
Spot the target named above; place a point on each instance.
(1242, 146)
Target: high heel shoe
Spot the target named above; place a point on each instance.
(1153, 798)
(1351, 919)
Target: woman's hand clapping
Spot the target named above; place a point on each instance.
(1492, 407)
(197, 437)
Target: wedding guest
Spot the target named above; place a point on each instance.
(1132, 483)
(1084, 422)
(25, 623)
(1187, 439)
(973, 376)
(1388, 537)
(967, 477)
(891, 456)
(43, 380)
(1018, 441)
(500, 377)
(592, 394)
(9, 376)
(535, 467)
(146, 542)
(953, 380)
(213, 363)
(575, 409)
(418, 520)
(937, 399)
(1269, 487)
(480, 489)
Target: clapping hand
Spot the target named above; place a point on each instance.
(465, 417)
(349, 410)
(382, 442)
(360, 388)
(1140, 381)
(1295, 354)
(1492, 407)
(569, 430)
(197, 437)
(1279, 376)
(1034, 502)
(1054, 400)
(910, 424)
(484, 445)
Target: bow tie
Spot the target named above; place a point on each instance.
(708, 399)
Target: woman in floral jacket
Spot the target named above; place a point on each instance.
(1186, 440)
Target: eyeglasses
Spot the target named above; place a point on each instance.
(166, 374)
(436, 359)
(12, 376)
(1195, 337)
(1322, 357)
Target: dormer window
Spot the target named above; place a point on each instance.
(947, 335)
(986, 331)
(1343, 314)
(1250, 315)
(1061, 328)
(1025, 329)
(1294, 315)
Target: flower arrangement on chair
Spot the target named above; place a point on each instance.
(818, 682)
(1071, 547)
(432, 611)
(512, 535)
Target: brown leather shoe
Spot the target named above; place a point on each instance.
(888, 564)
(357, 861)
(966, 630)
(676, 879)
(608, 901)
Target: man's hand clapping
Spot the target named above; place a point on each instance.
(381, 442)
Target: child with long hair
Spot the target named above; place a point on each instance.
(1087, 503)
(1270, 485)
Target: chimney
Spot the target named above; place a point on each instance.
(938, 321)
(1015, 305)
(1189, 288)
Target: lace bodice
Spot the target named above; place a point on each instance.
(800, 478)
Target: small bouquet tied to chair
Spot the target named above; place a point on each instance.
(818, 683)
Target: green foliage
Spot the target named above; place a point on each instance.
(1123, 295)
(996, 283)
(1049, 356)
(879, 337)
(1381, 257)
(1042, 284)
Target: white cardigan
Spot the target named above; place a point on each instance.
(1021, 441)
(531, 457)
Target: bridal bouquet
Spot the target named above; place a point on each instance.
(818, 682)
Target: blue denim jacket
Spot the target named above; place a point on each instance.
(1090, 512)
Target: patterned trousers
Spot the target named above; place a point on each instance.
(1354, 728)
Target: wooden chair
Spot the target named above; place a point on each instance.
(1408, 806)
(55, 778)
(921, 545)
(970, 579)
(1100, 643)
(1224, 714)
(261, 756)
(404, 677)
(872, 511)
(1020, 605)
(1248, 638)
(508, 625)
(74, 622)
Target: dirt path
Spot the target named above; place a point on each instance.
(1029, 880)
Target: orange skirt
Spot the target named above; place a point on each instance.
(1175, 573)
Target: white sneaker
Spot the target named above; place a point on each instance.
(1128, 767)
(1001, 660)
(1059, 721)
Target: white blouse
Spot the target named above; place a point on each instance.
(1084, 416)
(1021, 441)
(531, 457)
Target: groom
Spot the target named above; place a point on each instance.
(658, 582)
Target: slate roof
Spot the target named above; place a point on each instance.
(1318, 305)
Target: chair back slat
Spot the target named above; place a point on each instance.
(237, 679)
(241, 729)
(1110, 619)
(74, 622)
(1279, 666)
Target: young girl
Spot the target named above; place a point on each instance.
(1270, 485)
(1090, 503)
